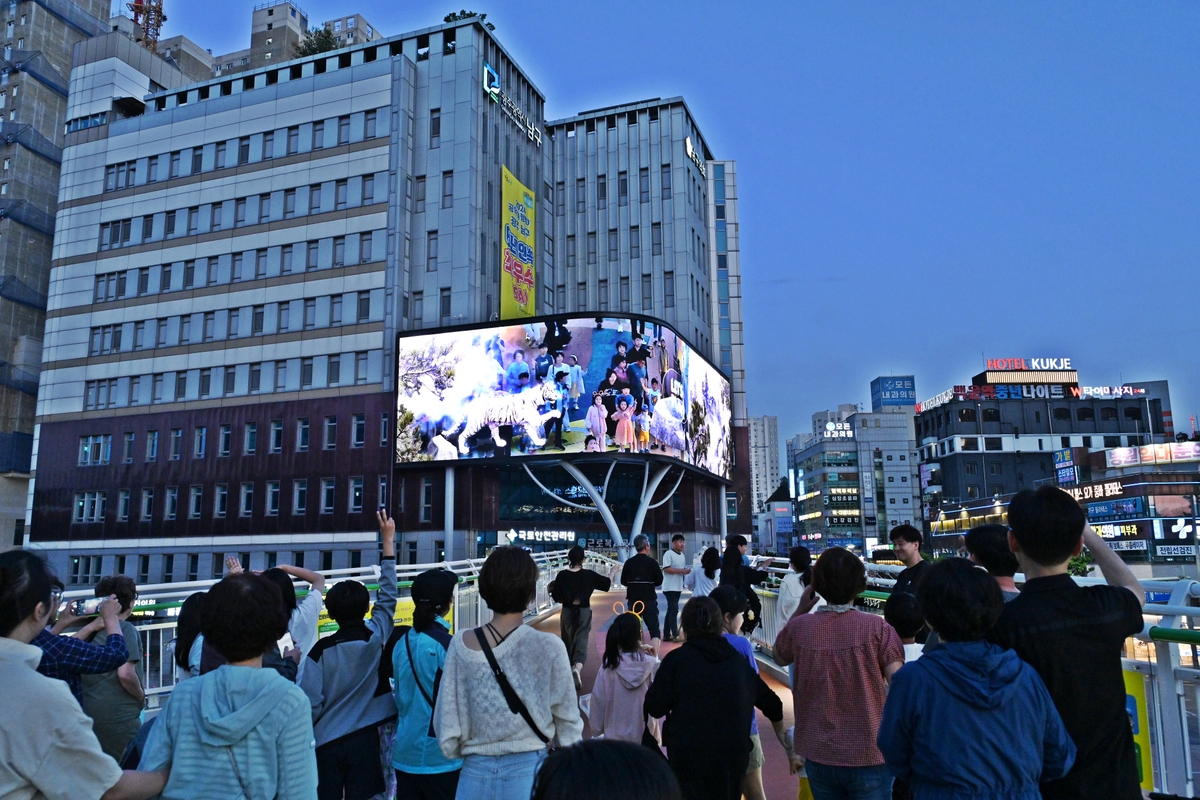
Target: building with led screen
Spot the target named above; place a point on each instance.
(236, 260)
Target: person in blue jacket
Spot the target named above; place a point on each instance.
(969, 719)
(422, 772)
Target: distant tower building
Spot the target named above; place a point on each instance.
(764, 459)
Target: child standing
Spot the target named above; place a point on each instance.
(642, 421)
(597, 425)
(902, 613)
(621, 684)
(625, 437)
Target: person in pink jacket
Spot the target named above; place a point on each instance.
(597, 421)
(621, 684)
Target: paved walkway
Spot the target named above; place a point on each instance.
(778, 783)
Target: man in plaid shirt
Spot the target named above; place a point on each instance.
(68, 657)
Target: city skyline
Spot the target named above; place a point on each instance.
(932, 158)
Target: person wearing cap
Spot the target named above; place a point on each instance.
(422, 771)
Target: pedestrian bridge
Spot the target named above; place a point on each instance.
(1161, 664)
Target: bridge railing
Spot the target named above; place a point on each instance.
(158, 607)
(1161, 664)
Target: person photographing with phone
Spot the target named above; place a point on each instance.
(114, 699)
(69, 657)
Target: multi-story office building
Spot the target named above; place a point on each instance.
(38, 41)
(764, 460)
(855, 478)
(277, 28)
(233, 267)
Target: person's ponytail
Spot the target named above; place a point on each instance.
(702, 619)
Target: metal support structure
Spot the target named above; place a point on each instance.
(724, 514)
(448, 527)
(601, 506)
(1172, 703)
(648, 490)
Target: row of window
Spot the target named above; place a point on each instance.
(91, 507)
(262, 377)
(88, 569)
(1060, 414)
(266, 262)
(96, 450)
(237, 152)
(239, 212)
(270, 318)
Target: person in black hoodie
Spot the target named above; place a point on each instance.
(707, 732)
(737, 573)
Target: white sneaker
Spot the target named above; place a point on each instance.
(575, 672)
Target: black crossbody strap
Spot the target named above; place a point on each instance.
(432, 701)
(515, 705)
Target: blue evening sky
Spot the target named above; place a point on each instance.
(920, 183)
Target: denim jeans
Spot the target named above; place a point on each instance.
(507, 777)
(849, 783)
(671, 624)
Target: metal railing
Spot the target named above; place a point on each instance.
(1166, 655)
(164, 600)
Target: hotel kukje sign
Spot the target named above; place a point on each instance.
(517, 273)
(491, 87)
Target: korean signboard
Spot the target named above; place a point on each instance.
(518, 275)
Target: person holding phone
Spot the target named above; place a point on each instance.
(114, 699)
(69, 658)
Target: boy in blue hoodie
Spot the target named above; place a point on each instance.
(342, 680)
(969, 719)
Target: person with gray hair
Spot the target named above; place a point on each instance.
(641, 577)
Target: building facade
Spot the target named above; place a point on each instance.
(234, 265)
(764, 460)
(277, 29)
(855, 479)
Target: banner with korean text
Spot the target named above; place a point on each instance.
(518, 297)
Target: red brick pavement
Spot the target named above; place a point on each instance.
(779, 785)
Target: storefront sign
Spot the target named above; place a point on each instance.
(491, 87)
(934, 402)
(560, 537)
(1130, 506)
(1097, 490)
(1011, 391)
(839, 430)
(1152, 454)
(694, 156)
(1129, 544)
(1029, 363)
(1106, 392)
(1175, 550)
(1117, 530)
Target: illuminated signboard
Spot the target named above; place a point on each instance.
(1096, 490)
(1117, 530)
(1129, 506)
(491, 87)
(1129, 544)
(934, 402)
(1011, 391)
(565, 385)
(839, 430)
(1152, 454)
(558, 537)
(1106, 392)
(694, 156)
(1029, 363)
(894, 390)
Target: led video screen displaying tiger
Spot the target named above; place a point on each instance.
(560, 385)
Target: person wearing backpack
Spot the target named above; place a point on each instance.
(422, 771)
(507, 691)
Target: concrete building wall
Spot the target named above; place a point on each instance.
(764, 459)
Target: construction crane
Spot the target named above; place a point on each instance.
(149, 15)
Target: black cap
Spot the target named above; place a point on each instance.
(435, 586)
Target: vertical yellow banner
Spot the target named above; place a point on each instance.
(1135, 706)
(518, 275)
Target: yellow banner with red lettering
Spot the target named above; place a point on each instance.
(518, 275)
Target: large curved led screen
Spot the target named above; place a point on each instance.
(560, 385)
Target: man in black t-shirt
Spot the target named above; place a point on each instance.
(641, 577)
(1073, 636)
(906, 543)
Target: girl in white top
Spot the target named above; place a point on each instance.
(502, 751)
(703, 580)
(793, 584)
(303, 615)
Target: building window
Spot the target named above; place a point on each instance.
(1085, 415)
(299, 496)
(591, 248)
(250, 439)
(171, 507)
(328, 487)
(147, 504)
(272, 498)
(330, 436)
(989, 415)
(89, 506)
(369, 125)
(420, 194)
(200, 442)
(656, 244)
(176, 444)
(668, 289)
(360, 368)
(435, 127)
(431, 251)
(426, 500)
(302, 435)
(224, 440)
(623, 188)
(221, 501)
(195, 501)
(447, 190)
(246, 506)
(368, 190)
(276, 443)
(445, 306)
(356, 494)
(343, 130)
(318, 135)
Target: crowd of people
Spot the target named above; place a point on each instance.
(964, 688)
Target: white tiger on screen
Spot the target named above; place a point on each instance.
(510, 409)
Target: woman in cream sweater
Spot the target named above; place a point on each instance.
(502, 749)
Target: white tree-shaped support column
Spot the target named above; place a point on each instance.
(650, 485)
